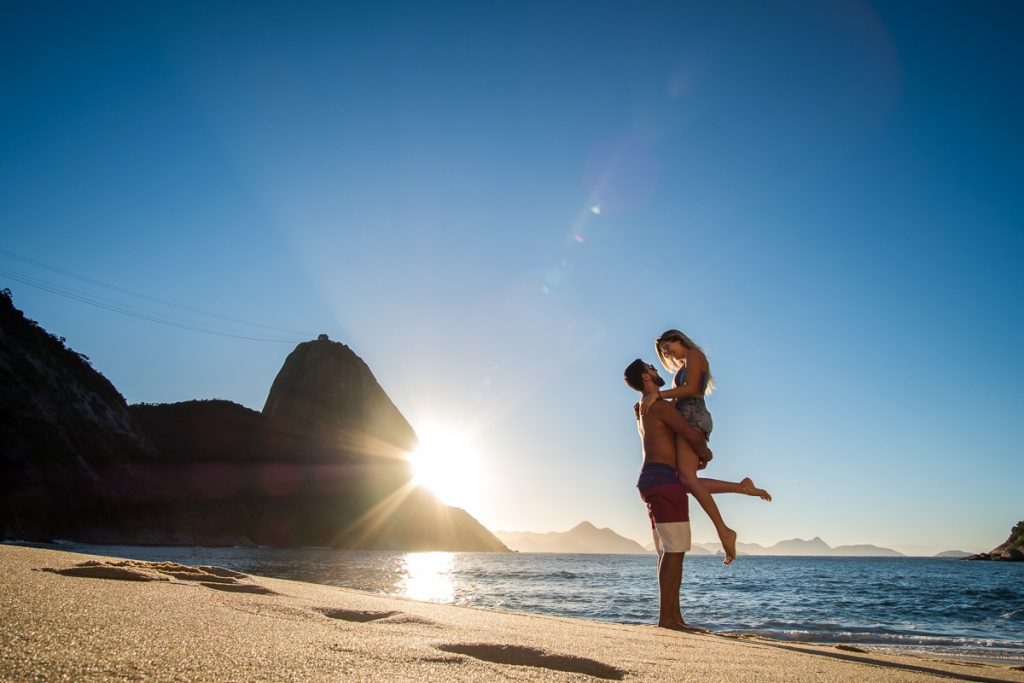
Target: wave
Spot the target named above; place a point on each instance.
(533, 575)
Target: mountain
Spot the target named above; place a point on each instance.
(958, 554)
(325, 389)
(812, 548)
(1011, 550)
(323, 464)
(582, 538)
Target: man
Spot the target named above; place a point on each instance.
(661, 489)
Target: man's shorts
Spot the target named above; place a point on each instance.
(668, 507)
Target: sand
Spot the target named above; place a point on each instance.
(67, 616)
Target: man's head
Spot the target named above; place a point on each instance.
(642, 376)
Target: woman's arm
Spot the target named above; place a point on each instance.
(696, 367)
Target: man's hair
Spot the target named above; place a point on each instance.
(633, 374)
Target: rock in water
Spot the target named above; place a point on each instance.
(1011, 550)
(326, 388)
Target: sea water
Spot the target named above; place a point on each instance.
(936, 606)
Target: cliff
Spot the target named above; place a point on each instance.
(1011, 550)
(64, 430)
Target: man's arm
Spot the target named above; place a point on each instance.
(694, 436)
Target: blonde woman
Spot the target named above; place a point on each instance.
(691, 383)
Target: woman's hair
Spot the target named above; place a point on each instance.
(673, 364)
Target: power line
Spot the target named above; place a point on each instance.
(133, 313)
(146, 297)
(121, 309)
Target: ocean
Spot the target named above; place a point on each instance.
(972, 610)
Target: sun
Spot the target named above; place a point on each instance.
(448, 464)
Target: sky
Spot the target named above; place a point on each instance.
(498, 206)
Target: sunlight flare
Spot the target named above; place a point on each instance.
(448, 464)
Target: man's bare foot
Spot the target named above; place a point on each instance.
(672, 625)
(747, 487)
(728, 540)
(682, 626)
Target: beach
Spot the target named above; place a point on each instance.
(80, 617)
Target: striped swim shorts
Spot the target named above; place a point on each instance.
(668, 507)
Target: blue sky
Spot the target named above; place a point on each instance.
(499, 207)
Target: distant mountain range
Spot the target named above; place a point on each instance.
(812, 548)
(582, 538)
(587, 538)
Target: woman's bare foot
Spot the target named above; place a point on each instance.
(749, 489)
(728, 540)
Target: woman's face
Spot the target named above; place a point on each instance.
(674, 348)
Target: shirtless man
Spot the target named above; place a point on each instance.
(662, 490)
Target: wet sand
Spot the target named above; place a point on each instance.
(82, 617)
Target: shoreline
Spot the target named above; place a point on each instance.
(161, 621)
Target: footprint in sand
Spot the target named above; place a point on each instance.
(359, 616)
(529, 656)
(401, 618)
(365, 616)
(253, 588)
(217, 578)
(96, 570)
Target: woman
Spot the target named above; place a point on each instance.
(691, 384)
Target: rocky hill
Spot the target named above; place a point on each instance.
(325, 389)
(323, 464)
(1011, 550)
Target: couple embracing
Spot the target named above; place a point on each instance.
(674, 433)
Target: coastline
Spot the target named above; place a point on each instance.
(132, 619)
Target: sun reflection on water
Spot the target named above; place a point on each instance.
(428, 577)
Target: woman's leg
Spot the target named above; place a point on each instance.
(686, 464)
(746, 487)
